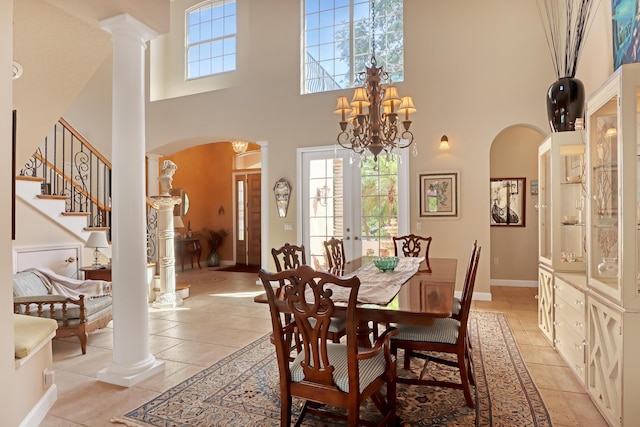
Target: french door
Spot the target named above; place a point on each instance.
(365, 206)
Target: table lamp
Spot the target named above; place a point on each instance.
(178, 223)
(97, 239)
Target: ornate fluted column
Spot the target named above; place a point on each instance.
(167, 298)
(132, 361)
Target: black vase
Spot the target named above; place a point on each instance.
(565, 104)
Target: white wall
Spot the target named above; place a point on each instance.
(10, 391)
(473, 69)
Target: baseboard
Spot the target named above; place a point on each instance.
(39, 411)
(514, 283)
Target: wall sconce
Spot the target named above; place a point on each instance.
(444, 143)
(282, 191)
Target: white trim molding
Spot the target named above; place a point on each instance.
(514, 283)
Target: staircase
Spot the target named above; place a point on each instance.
(69, 182)
(53, 208)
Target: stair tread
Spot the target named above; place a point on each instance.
(52, 197)
(75, 213)
(29, 178)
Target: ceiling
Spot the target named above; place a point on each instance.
(60, 45)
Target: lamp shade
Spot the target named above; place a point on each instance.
(391, 98)
(407, 105)
(177, 222)
(97, 239)
(444, 143)
(343, 106)
(360, 98)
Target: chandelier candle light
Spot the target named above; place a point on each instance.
(375, 130)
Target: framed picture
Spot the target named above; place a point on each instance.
(626, 31)
(507, 201)
(438, 194)
(534, 187)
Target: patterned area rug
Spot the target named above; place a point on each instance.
(242, 390)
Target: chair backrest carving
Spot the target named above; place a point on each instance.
(307, 295)
(413, 245)
(289, 257)
(334, 249)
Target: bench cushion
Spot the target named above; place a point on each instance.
(28, 284)
(29, 332)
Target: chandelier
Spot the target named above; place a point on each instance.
(376, 129)
(239, 146)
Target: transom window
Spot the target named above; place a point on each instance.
(211, 38)
(337, 41)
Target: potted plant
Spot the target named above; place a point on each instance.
(215, 238)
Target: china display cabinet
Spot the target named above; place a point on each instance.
(562, 201)
(561, 221)
(570, 325)
(613, 304)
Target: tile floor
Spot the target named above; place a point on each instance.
(223, 302)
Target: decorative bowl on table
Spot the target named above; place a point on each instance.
(386, 263)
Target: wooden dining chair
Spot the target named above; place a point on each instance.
(457, 302)
(334, 250)
(289, 257)
(412, 245)
(445, 335)
(324, 373)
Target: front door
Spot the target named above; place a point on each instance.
(248, 218)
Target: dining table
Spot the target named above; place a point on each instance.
(424, 295)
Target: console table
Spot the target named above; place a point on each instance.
(188, 248)
(97, 273)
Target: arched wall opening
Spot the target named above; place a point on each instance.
(514, 249)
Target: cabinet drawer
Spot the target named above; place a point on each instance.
(571, 315)
(571, 295)
(572, 348)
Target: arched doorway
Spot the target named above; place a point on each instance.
(514, 249)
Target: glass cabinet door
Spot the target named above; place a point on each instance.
(572, 206)
(603, 139)
(544, 203)
(561, 202)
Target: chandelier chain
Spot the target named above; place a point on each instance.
(373, 31)
(370, 122)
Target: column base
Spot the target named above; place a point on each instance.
(128, 380)
(167, 300)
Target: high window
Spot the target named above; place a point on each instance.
(211, 38)
(337, 41)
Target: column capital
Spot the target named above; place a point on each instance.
(125, 23)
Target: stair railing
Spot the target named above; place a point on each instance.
(70, 167)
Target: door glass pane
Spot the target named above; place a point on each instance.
(240, 209)
(379, 206)
(326, 208)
